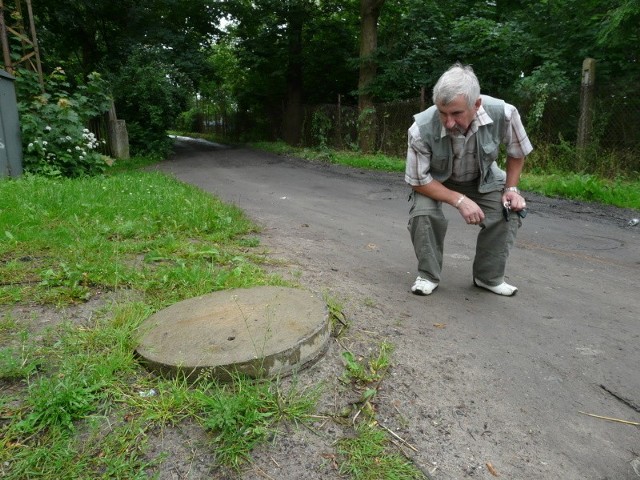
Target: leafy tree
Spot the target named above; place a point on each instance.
(218, 92)
(283, 49)
(331, 52)
(419, 39)
(286, 53)
(411, 53)
(90, 35)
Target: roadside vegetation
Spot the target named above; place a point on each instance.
(91, 248)
(131, 243)
(74, 400)
(544, 173)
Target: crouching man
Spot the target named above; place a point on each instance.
(451, 158)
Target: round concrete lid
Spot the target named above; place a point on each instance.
(258, 332)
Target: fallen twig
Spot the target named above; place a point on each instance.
(399, 438)
(262, 473)
(627, 422)
(492, 469)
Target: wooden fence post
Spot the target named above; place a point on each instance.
(585, 124)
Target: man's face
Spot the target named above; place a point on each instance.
(457, 115)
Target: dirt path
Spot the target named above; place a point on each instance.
(476, 378)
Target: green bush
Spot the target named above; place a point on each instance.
(56, 142)
(190, 121)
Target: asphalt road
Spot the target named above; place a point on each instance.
(479, 378)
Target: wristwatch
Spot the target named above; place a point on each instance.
(511, 189)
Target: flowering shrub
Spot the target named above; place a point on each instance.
(56, 142)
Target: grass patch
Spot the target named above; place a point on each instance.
(64, 239)
(352, 159)
(368, 456)
(81, 406)
(248, 413)
(620, 193)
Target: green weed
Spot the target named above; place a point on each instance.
(337, 318)
(368, 456)
(367, 370)
(19, 362)
(163, 402)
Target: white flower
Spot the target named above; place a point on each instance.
(47, 128)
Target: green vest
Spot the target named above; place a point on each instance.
(488, 139)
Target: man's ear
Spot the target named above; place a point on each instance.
(478, 103)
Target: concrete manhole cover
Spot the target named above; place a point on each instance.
(259, 332)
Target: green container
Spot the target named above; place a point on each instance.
(10, 142)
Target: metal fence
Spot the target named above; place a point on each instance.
(613, 145)
(615, 121)
(337, 126)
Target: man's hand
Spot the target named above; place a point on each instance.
(471, 212)
(515, 201)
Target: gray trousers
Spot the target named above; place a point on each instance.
(428, 227)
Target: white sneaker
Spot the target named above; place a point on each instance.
(503, 289)
(422, 286)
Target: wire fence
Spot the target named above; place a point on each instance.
(336, 126)
(614, 131)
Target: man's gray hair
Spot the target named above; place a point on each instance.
(458, 80)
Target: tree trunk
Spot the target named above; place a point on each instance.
(369, 14)
(292, 121)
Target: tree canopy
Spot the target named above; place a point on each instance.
(266, 58)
